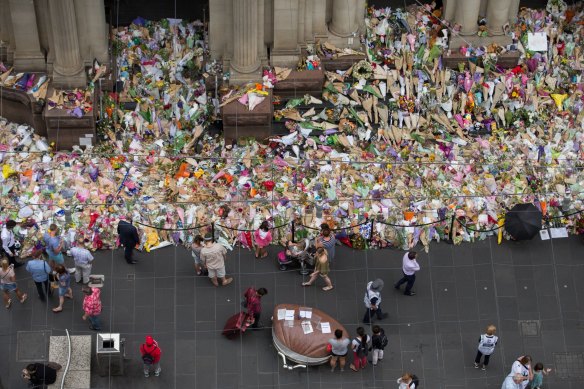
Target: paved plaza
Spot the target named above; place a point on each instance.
(532, 292)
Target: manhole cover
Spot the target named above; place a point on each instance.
(569, 365)
(32, 346)
(529, 327)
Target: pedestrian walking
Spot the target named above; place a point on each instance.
(253, 303)
(339, 350)
(513, 381)
(538, 372)
(54, 246)
(407, 381)
(151, 356)
(64, 280)
(40, 270)
(487, 343)
(213, 257)
(327, 240)
(322, 268)
(196, 248)
(378, 343)
(373, 301)
(360, 346)
(8, 284)
(129, 238)
(409, 268)
(39, 375)
(9, 242)
(522, 366)
(262, 238)
(92, 307)
(83, 260)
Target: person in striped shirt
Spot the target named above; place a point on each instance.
(327, 240)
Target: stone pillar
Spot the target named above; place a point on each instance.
(497, 16)
(345, 21)
(245, 64)
(220, 28)
(286, 50)
(68, 70)
(449, 9)
(308, 20)
(513, 11)
(92, 31)
(27, 54)
(6, 34)
(319, 27)
(467, 15)
(43, 23)
(483, 9)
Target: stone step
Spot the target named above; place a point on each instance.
(79, 373)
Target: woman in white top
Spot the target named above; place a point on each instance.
(360, 346)
(406, 381)
(522, 366)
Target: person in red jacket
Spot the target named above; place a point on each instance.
(254, 304)
(150, 356)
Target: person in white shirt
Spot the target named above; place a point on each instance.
(513, 381)
(487, 343)
(9, 242)
(409, 268)
(83, 260)
(406, 381)
(522, 367)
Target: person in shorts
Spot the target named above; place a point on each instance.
(8, 284)
(64, 287)
(54, 246)
(339, 350)
(213, 258)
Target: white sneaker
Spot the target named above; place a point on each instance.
(71, 270)
(157, 372)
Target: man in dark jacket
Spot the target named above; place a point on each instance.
(128, 237)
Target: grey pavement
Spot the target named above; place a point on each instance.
(532, 291)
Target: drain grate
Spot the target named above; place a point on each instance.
(32, 346)
(529, 327)
(569, 365)
(131, 277)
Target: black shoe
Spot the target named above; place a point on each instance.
(384, 316)
(17, 264)
(132, 262)
(410, 294)
(396, 287)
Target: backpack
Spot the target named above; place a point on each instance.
(415, 380)
(148, 358)
(362, 349)
(383, 339)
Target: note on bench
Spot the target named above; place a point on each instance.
(289, 314)
(325, 327)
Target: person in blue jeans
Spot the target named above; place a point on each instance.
(64, 287)
(40, 270)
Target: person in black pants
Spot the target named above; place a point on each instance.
(409, 268)
(9, 243)
(129, 238)
(40, 272)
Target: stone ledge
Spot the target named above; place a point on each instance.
(79, 373)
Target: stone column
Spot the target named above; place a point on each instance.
(319, 27)
(6, 34)
(483, 9)
(68, 70)
(27, 54)
(286, 50)
(449, 9)
(345, 18)
(467, 15)
(92, 30)
(245, 64)
(497, 16)
(220, 26)
(513, 11)
(308, 22)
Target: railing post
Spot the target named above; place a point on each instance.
(213, 231)
(371, 231)
(451, 227)
(293, 232)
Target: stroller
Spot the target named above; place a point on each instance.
(299, 254)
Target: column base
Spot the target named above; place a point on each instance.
(29, 62)
(340, 42)
(238, 78)
(285, 58)
(456, 42)
(78, 80)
